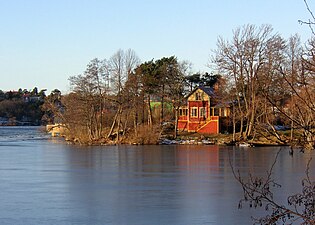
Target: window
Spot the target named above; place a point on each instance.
(183, 112)
(202, 112)
(223, 112)
(198, 96)
(216, 112)
(194, 112)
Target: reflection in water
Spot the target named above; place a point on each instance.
(43, 181)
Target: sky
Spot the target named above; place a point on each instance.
(43, 42)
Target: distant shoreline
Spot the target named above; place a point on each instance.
(22, 124)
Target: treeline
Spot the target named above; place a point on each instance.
(268, 82)
(22, 107)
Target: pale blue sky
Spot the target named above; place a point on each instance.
(43, 42)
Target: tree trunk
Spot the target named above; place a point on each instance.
(162, 106)
(291, 131)
(100, 124)
(234, 123)
(251, 122)
(114, 123)
(135, 121)
(118, 125)
(176, 122)
(150, 120)
(241, 115)
(125, 124)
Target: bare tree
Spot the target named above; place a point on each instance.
(310, 22)
(87, 100)
(295, 99)
(242, 61)
(291, 100)
(121, 66)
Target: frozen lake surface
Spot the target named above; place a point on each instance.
(46, 181)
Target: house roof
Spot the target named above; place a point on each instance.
(208, 90)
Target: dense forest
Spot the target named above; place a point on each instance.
(22, 107)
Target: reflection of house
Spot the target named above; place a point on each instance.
(194, 158)
(202, 114)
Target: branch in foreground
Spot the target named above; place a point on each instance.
(258, 193)
(310, 23)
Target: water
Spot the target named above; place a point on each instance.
(45, 181)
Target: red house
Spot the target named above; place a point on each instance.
(203, 113)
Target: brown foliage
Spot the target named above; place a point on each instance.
(146, 135)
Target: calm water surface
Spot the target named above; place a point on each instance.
(45, 181)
